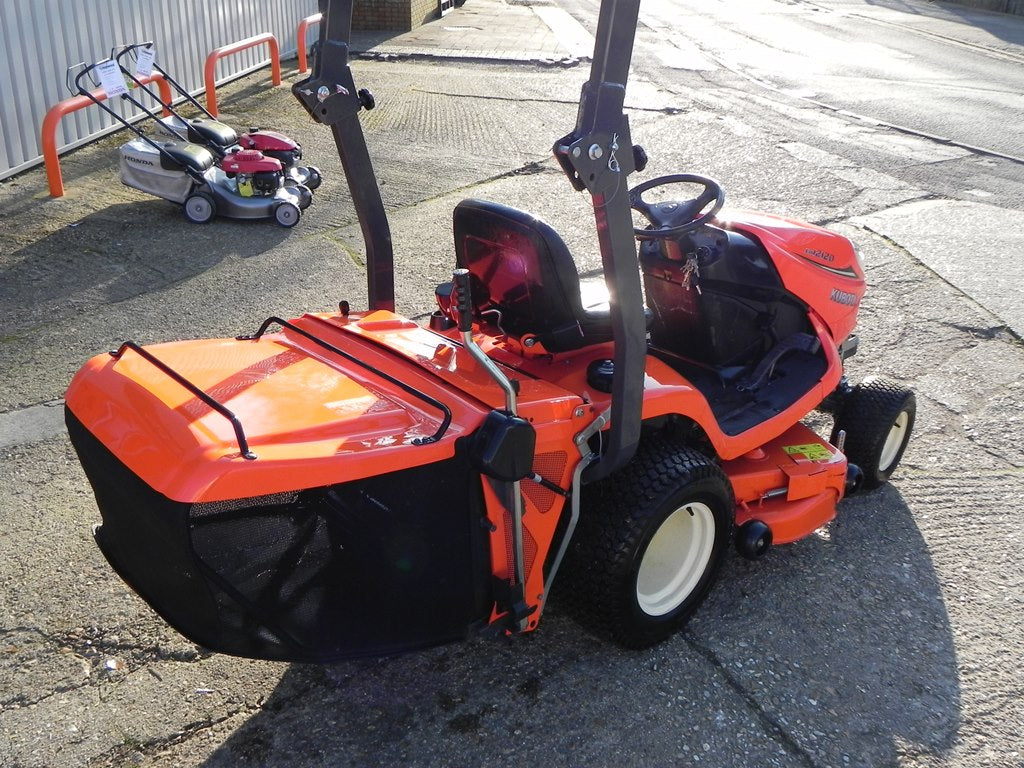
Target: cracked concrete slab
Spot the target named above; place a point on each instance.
(977, 247)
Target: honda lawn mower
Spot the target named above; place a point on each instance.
(245, 185)
(347, 483)
(137, 61)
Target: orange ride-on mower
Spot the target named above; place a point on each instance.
(349, 483)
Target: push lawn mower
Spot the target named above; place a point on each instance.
(354, 484)
(218, 137)
(245, 185)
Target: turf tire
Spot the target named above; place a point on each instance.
(878, 417)
(621, 516)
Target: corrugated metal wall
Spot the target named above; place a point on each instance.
(39, 39)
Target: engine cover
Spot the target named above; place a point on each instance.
(249, 161)
(265, 141)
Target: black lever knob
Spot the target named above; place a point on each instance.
(639, 157)
(366, 98)
(463, 299)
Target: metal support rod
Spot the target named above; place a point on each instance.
(519, 557)
(373, 219)
(464, 306)
(574, 518)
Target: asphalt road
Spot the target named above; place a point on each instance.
(892, 638)
(941, 70)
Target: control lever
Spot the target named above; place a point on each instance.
(463, 299)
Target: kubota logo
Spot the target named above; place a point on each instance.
(842, 297)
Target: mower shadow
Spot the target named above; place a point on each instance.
(836, 650)
(120, 252)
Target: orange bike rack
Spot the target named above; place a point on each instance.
(227, 50)
(52, 120)
(304, 25)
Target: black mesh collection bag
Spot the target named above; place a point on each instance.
(370, 567)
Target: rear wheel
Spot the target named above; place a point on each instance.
(315, 177)
(649, 544)
(878, 417)
(199, 208)
(305, 195)
(287, 214)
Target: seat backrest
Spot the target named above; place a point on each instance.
(521, 269)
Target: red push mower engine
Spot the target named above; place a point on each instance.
(254, 172)
(280, 147)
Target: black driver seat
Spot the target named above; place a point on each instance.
(524, 278)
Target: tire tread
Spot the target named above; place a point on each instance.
(866, 416)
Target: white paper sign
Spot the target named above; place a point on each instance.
(111, 79)
(144, 64)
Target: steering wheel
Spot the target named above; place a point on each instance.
(673, 219)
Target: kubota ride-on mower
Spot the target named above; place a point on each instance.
(350, 483)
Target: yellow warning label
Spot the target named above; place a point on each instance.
(813, 451)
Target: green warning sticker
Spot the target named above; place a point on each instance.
(812, 451)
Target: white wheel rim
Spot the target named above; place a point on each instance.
(199, 208)
(676, 559)
(893, 441)
(287, 214)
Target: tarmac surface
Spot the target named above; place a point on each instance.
(891, 638)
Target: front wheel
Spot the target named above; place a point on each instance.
(287, 214)
(878, 417)
(650, 543)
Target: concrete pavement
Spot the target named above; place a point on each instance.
(488, 30)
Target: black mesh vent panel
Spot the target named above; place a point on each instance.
(550, 466)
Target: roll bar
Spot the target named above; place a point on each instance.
(329, 95)
(597, 156)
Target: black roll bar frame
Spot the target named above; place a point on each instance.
(597, 156)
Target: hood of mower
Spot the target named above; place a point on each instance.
(818, 266)
(391, 397)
